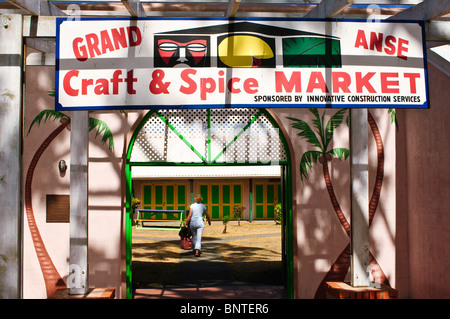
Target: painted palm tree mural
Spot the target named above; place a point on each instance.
(51, 276)
(320, 137)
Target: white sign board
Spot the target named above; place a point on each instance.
(122, 63)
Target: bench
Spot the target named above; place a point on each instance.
(158, 223)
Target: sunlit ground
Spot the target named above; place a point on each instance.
(254, 260)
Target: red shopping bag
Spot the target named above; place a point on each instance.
(185, 243)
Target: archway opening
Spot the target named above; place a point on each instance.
(234, 158)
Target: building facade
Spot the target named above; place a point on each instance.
(163, 164)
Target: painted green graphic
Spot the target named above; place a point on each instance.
(311, 52)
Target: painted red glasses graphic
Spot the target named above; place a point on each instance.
(189, 53)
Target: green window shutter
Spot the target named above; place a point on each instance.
(215, 214)
(170, 195)
(226, 194)
(181, 207)
(270, 193)
(270, 211)
(159, 200)
(147, 201)
(215, 194)
(237, 194)
(279, 193)
(146, 215)
(181, 194)
(259, 196)
(215, 201)
(181, 197)
(259, 211)
(147, 195)
(170, 201)
(204, 193)
(158, 195)
(226, 211)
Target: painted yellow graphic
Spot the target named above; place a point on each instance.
(244, 51)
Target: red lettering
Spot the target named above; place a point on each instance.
(119, 38)
(412, 81)
(362, 82)
(106, 42)
(251, 86)
(390, 40)
(192, 86)
(92, 44)
(207, 85)
(130, 80)
(211, 85)
(282, 83)
(84, 85)
(102, 87)
(376, 41)
(402, 48)
(316, 81)
(385, 83)
(341, 81)
(231, 83)
(79, 51)
(361, 40)
(66, 83)
(116, 80)
(135, 30)
(391, 46)
(99, 86)
(221, 82)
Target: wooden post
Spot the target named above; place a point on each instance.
(79, 144)
(250, 199)
(359, 171)
(11, 47)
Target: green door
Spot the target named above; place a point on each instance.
(220, 198)
(215, 201)
(266, 197)
(259, 199)
(159, 200)
(164, 197)
(226, 201)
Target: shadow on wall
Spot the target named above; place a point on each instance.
(321, 230)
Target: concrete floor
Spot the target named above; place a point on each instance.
(208, 277)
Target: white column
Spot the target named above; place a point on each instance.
(11, 47)
(79, 144)
(359, 171)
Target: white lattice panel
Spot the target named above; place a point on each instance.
(149, 143)
(189, 126)
(181, 136)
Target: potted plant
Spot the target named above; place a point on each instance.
(135, 204)
(278, 214)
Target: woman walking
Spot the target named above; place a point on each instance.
(195, 216)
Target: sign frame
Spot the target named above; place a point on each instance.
(322, 72)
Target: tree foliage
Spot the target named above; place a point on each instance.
(319, 136)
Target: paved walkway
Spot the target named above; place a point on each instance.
(208, 277)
